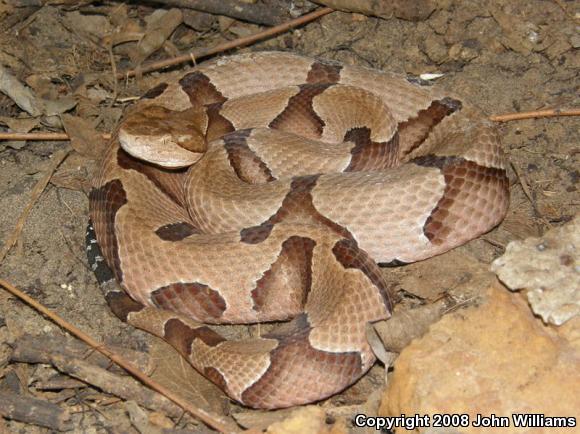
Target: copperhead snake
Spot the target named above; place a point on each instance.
(268, 187)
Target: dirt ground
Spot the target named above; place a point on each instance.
(506, 56)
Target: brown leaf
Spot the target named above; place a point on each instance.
(83, 136)
(17, 125)
(158, 31)
(175, 373)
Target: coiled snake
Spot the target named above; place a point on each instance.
(267, 187)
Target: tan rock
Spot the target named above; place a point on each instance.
(548, 267)
(495, 358)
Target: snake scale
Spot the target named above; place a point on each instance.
(270, 187)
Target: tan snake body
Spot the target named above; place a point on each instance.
(267, 187)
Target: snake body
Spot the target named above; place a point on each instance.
(267, 187)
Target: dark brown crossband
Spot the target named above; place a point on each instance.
(415, 131)
(297, 206)
(323, 72)
(369, 155)
(195, 299)
(299, 116)
(248, 166)
(286, 284)
(200, 89)
(322, 368)
(176, 231)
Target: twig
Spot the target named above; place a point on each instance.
(240, 42)
(212, 420)
(40, 136)
(57, 158)
(535, 114)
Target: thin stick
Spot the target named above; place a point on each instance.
(40, 136)
(212, 420)
(240, 42)
(535, 114)
(57, 158)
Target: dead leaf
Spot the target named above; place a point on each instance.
(158, 31)
(59, 106)
(17, 125)
(83, 137)
(26, 99)
(172, 371)
(398, 331)
(19, 93)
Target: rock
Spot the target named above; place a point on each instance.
(492, 359)
(549, 268)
